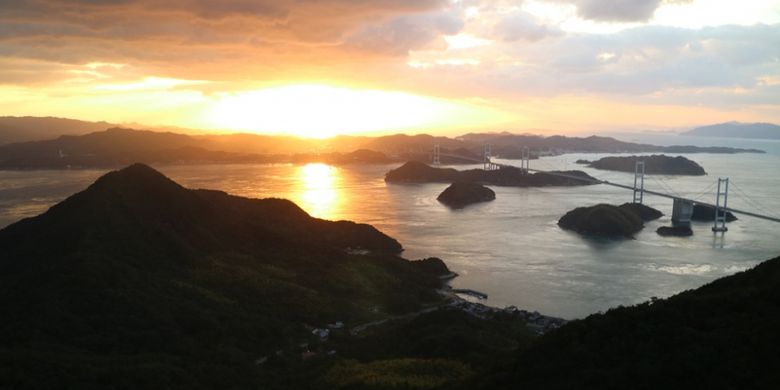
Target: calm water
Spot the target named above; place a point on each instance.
(510, 248)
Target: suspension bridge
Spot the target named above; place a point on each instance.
(682, 209)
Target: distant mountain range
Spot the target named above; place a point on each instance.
(737, 130)
(116, 147)
(29, 128)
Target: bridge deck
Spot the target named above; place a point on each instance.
(650, 192)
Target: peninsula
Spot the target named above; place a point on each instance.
(417, 172)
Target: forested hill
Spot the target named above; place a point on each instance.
(137, 282)
(720, 336)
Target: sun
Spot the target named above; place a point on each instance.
(321, 111)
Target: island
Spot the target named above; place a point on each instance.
(461, 194)
(675, 231)
(656, 164)
(607, 220)
(417, 172)
(602, 220)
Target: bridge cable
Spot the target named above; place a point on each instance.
(664, 186)
(747, 198)
(703, 192)
(743, 195)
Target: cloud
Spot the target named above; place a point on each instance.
(522, 26)
(191, 23)
(727, 65)
(387, 44)
(402, 34)
(618, 10)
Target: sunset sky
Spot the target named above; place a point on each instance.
(324, 67)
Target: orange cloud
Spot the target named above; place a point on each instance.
(143, 55)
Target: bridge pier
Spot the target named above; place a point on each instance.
(682, 211)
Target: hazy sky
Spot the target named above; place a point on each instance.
(320, 67)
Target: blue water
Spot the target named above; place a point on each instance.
(511, 248)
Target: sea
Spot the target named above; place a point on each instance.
(512, 248)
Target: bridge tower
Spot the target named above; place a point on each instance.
(720, 210)
(487, 151)
(525, 159)
(436, 155)
(639, 178)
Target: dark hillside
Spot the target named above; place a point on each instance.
(720, 336)
(138, 282)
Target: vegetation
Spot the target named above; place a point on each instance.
(397, 374)
(470, 344)
(432, 265)
(656, 164)
(459, 195)
(675, 231)
(417, 172)
(138, 282)
(646, 213)
(602, 220)
(720, 336)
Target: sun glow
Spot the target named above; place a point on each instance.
(318, 193)
(320, 111)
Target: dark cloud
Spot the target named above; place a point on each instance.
(204, 38)
(618, 10)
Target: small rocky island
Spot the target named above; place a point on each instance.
(656, 164)
(675, 231)
(607, 220)
(417, 172)
(701, 213)
(461, 194)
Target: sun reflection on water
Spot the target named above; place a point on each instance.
(318, 194)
